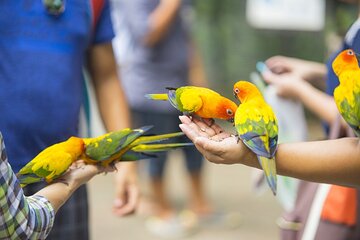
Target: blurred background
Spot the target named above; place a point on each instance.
(230, 42)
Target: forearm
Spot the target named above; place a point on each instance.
(112, 104)
(58, 193)
(160, 20)
(317, 73)
(332, 161)
(109, 93)
(315, 100)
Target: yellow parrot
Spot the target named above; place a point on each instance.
(347, 94)
(52, 162)
(124, 145)
(200, 101)
(257, 127)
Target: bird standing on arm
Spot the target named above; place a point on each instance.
(257, 127)
(347, 94)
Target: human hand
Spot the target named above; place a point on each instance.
(126, 189)
(80, 172)
(288, 85)
(309, 71)
(214, 143)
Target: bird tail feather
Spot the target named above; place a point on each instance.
(157, 96)
(269, 167)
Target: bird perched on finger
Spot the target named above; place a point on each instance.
(123, 145)
(257, 128)
(347, 94)
(202, 102)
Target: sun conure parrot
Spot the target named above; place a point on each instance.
(257, 127)
(52, 162)
(347, 94)
(200, 101)
(124, 145)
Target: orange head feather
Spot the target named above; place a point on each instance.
(76, 145)
(346, 60)
(226, 109)
(244, 91)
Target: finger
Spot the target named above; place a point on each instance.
(185, 119)
(203, 126)
(217, 128)
(189, 131)
(220, 136)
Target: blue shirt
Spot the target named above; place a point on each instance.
(41, 81)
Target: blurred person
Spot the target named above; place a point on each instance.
(33, 217)
(44, 46)
(153, 52)
(295, 78)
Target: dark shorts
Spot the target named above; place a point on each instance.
(166, 123)
(72, 219)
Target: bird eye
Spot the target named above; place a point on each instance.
(236, 90)
(229, 112)
(350, 52)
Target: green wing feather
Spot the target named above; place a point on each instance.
(351, 112)
(112, 143)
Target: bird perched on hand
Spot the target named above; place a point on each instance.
(257, 127)
(347, 94)
(124, 145)
(52, 162)
(200, 101)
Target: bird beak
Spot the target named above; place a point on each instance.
(231, 120)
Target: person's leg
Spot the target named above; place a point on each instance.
(160, 202)
(198, 200)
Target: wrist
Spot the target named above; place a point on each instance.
(301, 90)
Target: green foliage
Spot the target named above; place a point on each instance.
(230, 47)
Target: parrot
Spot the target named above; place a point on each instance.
(52, 162)
(257, 127)
(123, 145)
(347, 93)
(200, 101)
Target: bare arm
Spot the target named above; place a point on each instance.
(315, 100)
(115, 115)
(109, 92)
(308, 70)
(332, 161)
(160, 20)
(291, 85)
